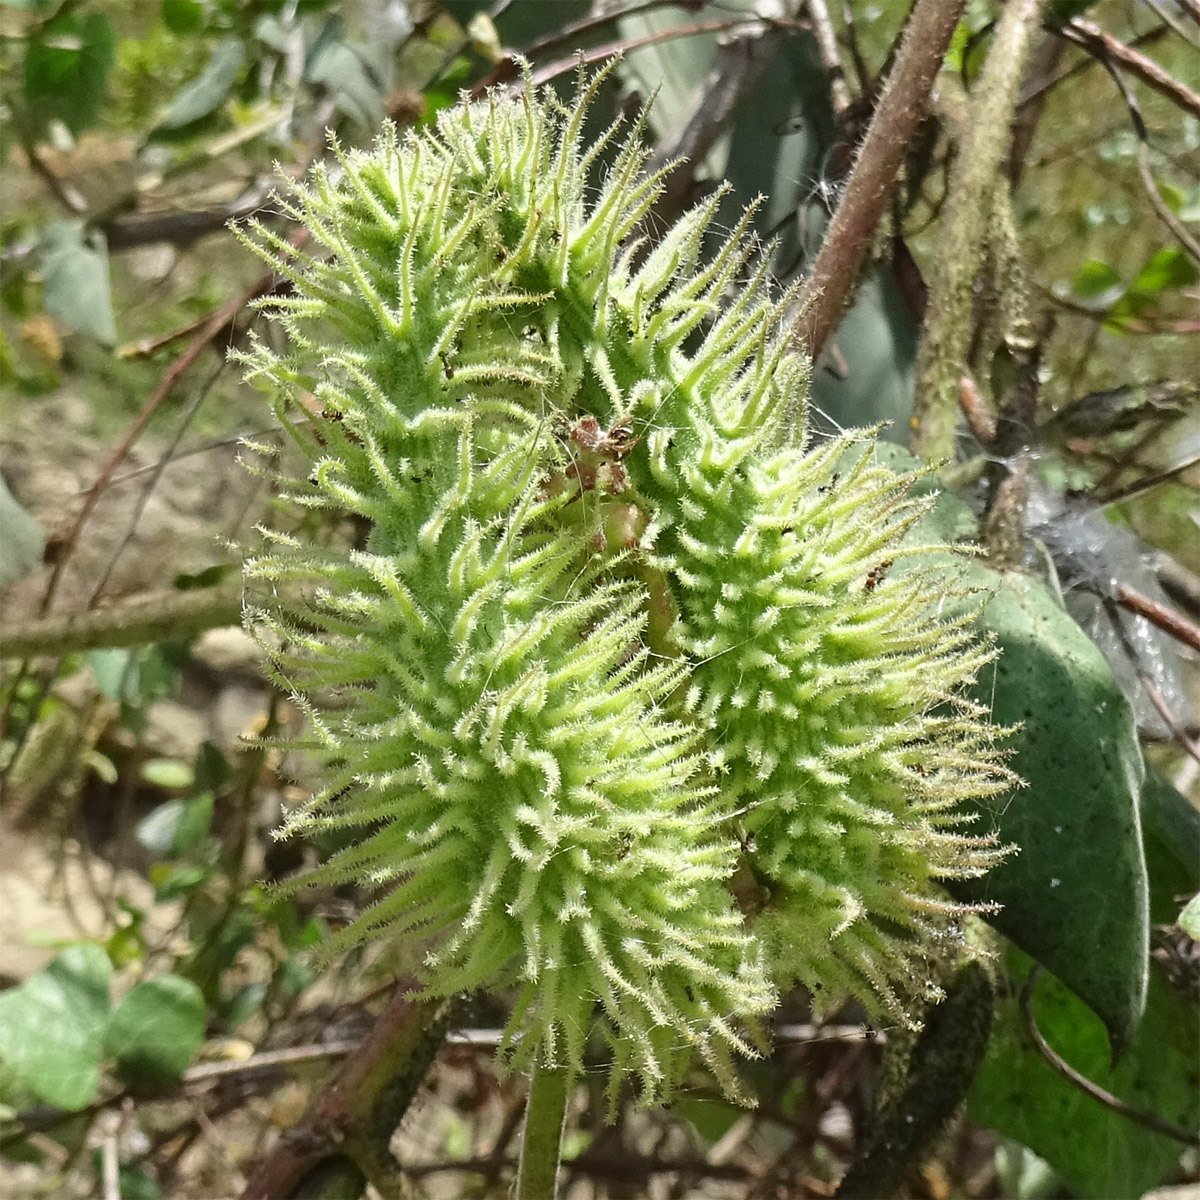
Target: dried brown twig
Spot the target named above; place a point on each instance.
(1102, 45)
(355, 1114)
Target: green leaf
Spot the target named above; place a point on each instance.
(205, 94)
(176, 826)
(1189, 919)
(125, 945)
(711, 1119)
(340, 67)
(1096, 278)
(1075, 895)
(1171, 831)
(247, 1000)
(156, 1029)
(134, 1184)
(75, 277)
(171, 774)
(51, 1027)
(67, 63)
(182, 16)
(211, 768)
(1169, 267)
(21, 539)
(1098, 1152)
(170, 883)
(115, 672)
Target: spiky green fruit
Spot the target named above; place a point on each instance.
(611, 635)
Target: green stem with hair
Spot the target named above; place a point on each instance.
(541, 1143)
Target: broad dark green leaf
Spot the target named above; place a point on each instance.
(66, 69)
(51, 1027)
(1099, 1153)
(205, 94)
(156, 1029)
(75, 277)
(865, 375)
(1075, 895)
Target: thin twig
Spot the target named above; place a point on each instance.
(160, 466)
(110, 1167)
(1175, 226)
(827, 51)
(569, 35)
(1162, 9)
(1165, 215)
(1085, 64)
(630, 1167)
(216, 322)
(1143, 609)
(270, 1060)
(856, 56)
(903, 104)
(1102, 45)
(1178, 732)
(506, 70)
(129, 230)
(1163, 616)
(1043, 65)
(1148, 1119)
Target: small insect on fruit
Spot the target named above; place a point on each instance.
(875, 575)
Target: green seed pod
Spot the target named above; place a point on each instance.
(611, 635)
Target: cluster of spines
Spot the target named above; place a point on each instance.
(473, 305)
(830, 679)
(501, 735)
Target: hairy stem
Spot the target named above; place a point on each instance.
(946, 336)
(541, 1143)
(943, 1063)
(904, 102)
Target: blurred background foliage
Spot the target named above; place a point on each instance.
(136, 817)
